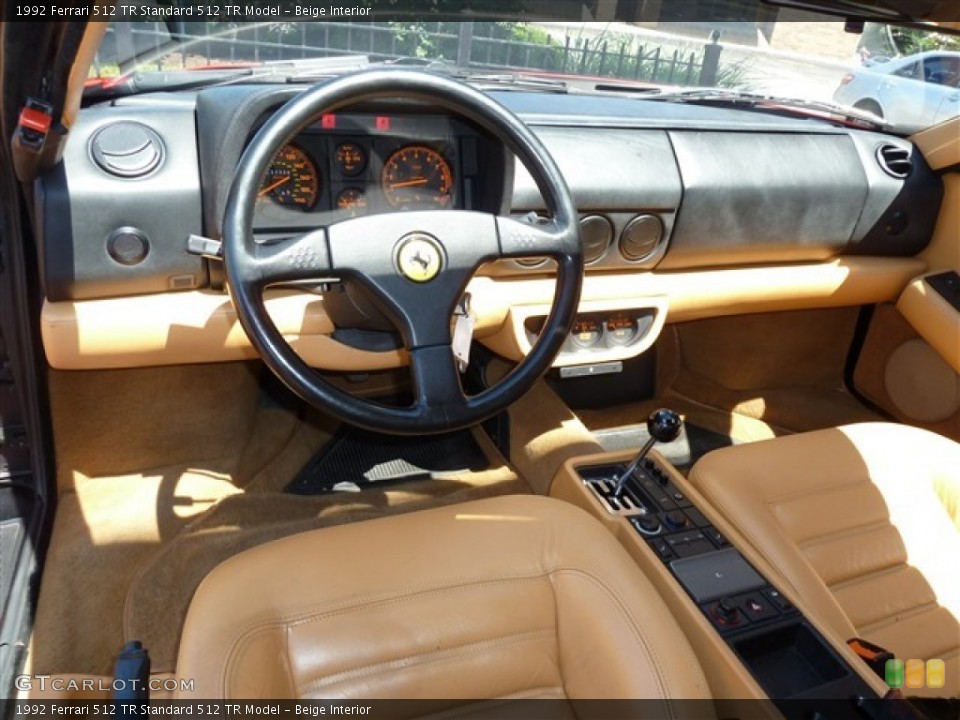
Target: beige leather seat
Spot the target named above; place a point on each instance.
(864, 522)
(511, 597)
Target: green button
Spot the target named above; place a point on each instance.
(893, 673)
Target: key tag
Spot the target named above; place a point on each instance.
(463, 333)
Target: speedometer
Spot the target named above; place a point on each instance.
(292, 179)
(417, 175)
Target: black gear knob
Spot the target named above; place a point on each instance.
(664, 425)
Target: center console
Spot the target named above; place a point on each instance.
(753, 640)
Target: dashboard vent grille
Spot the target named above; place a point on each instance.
(895, 161)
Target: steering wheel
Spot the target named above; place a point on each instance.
(416, 264)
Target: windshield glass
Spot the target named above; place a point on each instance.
(908, 77)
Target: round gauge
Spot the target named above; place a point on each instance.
(350, 159)
(586, 332)
(621, 328)
(352, 200)
(417, 175)
(292, 179)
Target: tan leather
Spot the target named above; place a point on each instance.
(858, 520)
(201, 326)
(940, 144)
(514, 597)
(726, 674)
(943, 252)
(921, 384)
(936, 320)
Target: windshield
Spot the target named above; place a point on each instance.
(907, 77)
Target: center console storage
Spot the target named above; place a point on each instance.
(764, 633)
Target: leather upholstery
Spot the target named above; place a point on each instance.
(863, 521)
(511, 597)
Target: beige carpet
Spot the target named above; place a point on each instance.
(130, 545)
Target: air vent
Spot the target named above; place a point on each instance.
(127, 149)
(596, 233)
(895, 161)
(641, 237)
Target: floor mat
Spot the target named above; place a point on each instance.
(693, 442)
(354, 459)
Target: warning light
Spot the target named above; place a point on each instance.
(328, 121)
(383, 123)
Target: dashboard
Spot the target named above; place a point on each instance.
(685, 211)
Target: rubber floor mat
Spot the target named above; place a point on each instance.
(355, 459)
(693, 443)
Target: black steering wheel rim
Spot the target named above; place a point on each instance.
(247, 265)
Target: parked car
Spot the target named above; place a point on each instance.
(911, 92)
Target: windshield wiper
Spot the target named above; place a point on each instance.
(822, 109)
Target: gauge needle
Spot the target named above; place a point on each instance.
(409, 183)
(274, 186)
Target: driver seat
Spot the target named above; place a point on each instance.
(509, 597)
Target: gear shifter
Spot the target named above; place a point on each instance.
(664, 426)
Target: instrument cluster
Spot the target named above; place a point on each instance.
(346, 165)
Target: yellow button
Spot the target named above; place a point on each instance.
(914, 674)
(936, 673)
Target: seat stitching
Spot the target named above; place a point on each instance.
(844, 533)
(422, 658)
(807, 492)
(244, 633)
(866, 576)
(892, 618)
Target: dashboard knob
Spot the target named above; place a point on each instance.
(674, 520)
(648, 524)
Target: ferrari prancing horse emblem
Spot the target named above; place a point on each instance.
(419, 257)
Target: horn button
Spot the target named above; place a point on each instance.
(419, 257)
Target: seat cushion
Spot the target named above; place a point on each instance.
(511, 597)
(862, 522)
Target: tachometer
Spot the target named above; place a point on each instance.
(292, 179)
(417, 175)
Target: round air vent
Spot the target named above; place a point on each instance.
(596, 232)
(127, 149)
(640, 237)
(895, 161)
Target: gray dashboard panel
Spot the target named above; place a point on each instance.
(79, 205)
(764, 197)
(606, 169)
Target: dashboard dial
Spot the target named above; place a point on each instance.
(586, 332)
(292, 179)
(350, 159)
(353, 200)
(417, 175)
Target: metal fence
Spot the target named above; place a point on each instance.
(479, 45)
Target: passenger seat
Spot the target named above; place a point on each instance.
(864, 522)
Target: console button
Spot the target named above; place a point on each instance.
(658, 494)
(779, 600)
(646, 524)
(697, 517)
(697, 547)
(718, 539)
(679, 498)
(661, 548)
(758, 607)
(675, 520)
(724, 614)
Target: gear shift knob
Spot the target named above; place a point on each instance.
(664, 426)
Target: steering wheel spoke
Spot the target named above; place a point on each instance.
(436, 380)
(520, 238)
(304, 257)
